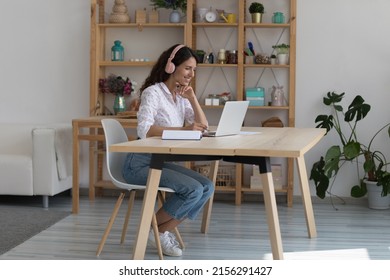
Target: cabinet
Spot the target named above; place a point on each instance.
(210, 78)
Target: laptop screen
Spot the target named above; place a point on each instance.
(232, 118)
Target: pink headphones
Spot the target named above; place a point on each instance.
(170, 67)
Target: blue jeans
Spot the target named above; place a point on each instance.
(192, 190)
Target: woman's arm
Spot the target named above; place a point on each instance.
(199, 115)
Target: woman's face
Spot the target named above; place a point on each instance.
(185, 72)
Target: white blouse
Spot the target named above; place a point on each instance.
(158, 108)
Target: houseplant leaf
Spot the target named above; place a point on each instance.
(332, 159)
(321, 181)
(357, 109)
(352, 150)
(324, 121)
(359, 190)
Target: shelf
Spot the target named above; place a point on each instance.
(217, 65)
(105, 184)
(127, 63)
(267, 66)
(250, 107)
(266, 25)
(141, 25)
(214, 24)
(248, 189)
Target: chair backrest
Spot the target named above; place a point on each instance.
(114, 133)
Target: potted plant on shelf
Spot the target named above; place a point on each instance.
(175, 5)
(118, 86)
(201, 55)
(371, 163)
(282, 51)
(256, 10)
(273, 59)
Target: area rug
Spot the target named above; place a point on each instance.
(20, 223)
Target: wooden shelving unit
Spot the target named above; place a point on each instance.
(238, 36)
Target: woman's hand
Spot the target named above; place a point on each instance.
(196, 126)
(185, 91)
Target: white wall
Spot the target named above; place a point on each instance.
(342, 46)
(44, 62)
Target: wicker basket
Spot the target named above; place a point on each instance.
(225, 176)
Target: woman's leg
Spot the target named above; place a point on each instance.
(166, 222)
(192, 190)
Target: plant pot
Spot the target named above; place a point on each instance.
(375, 198)
(175, 17)
(256, 17)
(282, 58)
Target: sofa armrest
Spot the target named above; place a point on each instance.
(47, 180)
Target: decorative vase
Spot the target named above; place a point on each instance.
(256, 17)
(277, 96)
(119, 13)
(119, 104)
(174, 17)
(375, 198)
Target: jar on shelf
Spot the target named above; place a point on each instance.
(222, 56)
(278, 17)
(117, 51)
(232, 57)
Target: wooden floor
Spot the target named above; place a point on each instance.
(236, 232)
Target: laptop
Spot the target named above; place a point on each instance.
(231, 120)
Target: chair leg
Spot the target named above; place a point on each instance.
(128, 214)
(157, 237)
(110, 223)
(178, 236)
(161, 199)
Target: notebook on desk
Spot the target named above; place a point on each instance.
(231, 120)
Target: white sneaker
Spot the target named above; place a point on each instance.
(169, 245)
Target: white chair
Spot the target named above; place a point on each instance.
(115, 133)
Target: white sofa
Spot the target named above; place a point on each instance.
(35, 159)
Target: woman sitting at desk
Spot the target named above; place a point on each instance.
(168, 102)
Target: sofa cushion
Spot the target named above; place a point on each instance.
(13, 181)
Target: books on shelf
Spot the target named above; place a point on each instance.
(182, 135)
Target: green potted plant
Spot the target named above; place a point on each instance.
(175, 5)
(281, 48)
(201, 54)
(371, 163)
(256, 10)
(282, 51)
(273, 59)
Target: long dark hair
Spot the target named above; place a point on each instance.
(158, 74)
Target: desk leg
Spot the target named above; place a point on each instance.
(271, 211)
(75, 183)
(209, 205)
(92, 160)
(146, 214)
(306, 198)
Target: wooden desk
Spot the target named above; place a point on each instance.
(93, 135)
(253, 148)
